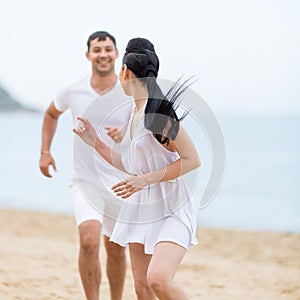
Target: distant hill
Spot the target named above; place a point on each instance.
(7, 103)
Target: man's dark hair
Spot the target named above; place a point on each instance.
(101, 36)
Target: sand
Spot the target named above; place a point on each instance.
(38, 260)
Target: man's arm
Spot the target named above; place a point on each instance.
(49, 127)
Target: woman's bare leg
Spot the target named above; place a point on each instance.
(139, 265)
(161, 271)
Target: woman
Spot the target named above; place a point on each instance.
(156, 151)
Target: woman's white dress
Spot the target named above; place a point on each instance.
(160, 212)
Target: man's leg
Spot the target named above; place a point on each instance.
(115, 268)
(89, 265)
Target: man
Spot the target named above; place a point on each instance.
(95, 97)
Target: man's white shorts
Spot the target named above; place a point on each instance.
(90, 203)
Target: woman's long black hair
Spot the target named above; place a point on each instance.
(160, 112)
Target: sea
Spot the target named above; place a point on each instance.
(260, 189)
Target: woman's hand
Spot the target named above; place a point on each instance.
(86, 131)
(131, 185)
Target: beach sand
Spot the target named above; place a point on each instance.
(38, 261)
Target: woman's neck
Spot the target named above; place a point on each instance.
(140, 96)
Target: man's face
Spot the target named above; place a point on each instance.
(102, 55)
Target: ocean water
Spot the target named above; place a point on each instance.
(260, 188)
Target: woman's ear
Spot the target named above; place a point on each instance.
(125, 72)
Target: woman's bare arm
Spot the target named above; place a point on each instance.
(189, 160)
(89, 135)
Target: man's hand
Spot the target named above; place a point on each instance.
(47, 160)
(114, 133)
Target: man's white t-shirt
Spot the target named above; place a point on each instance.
(112, 108)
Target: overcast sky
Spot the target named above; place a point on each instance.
(245, 53)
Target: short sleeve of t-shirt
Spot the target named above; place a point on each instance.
(61, 100)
